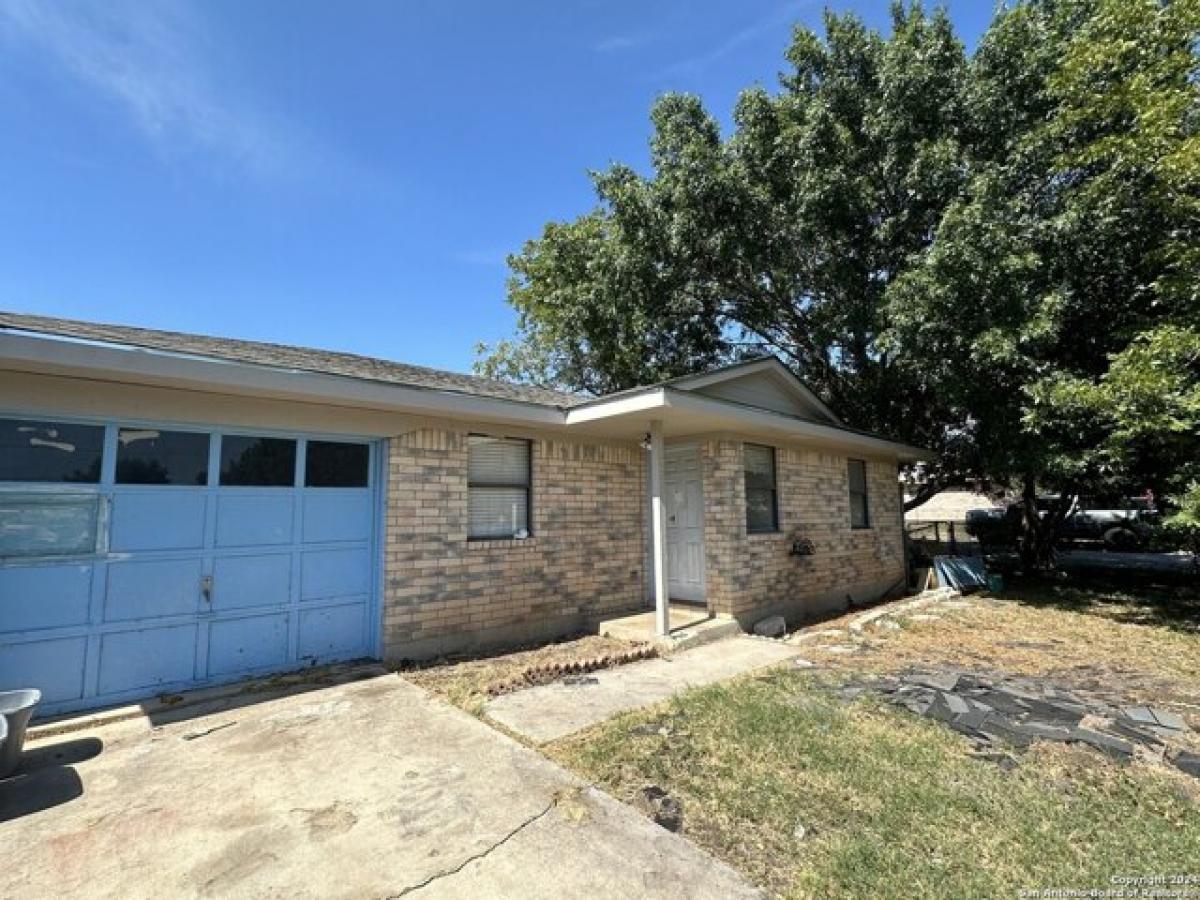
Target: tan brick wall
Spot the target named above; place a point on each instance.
(753, 575)
(584, 559)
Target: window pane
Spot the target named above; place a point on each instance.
(50, 451)
(760, 510)
(497, 512)
(858, 511)
(497, 460)
(150, 456)
(760, 466)
(336, 464)
(858, 475)
(760, 488)
(258, 461)
(857, 472)
(34, 524)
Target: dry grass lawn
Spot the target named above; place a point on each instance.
(1144, 645)
(811, 795)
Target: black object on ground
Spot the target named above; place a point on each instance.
(1002, 711)
(1188, 762)
(660, 806)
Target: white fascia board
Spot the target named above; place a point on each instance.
(736, 417)
(107, 362)
(595, 410)
(728, 373)
(752, 417)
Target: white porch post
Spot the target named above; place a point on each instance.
(658, 533)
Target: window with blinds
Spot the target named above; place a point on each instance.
(762, 506)
(859, 509)
(498, 480)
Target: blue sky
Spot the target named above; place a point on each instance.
(345, 175)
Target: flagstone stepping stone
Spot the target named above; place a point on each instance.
(1188, 762)
(998, 711)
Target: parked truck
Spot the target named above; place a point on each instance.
(1125, 528)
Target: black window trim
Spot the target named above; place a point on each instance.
(527, 487)
(215, 431)
(775, 527)
(866, 495)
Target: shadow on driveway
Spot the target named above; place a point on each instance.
(46, 777)
(170, 708)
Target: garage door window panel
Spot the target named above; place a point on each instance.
(39, 451)
(498, 488)
(336, 464)
(153, 456)
(257, 461)
(48, 524)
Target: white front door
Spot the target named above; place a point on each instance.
(684, 502)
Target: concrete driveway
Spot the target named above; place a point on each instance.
(370, 789)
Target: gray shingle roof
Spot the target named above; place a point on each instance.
(283, 356)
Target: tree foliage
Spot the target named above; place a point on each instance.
(996, 256)
(782, 238)
(1057, 300)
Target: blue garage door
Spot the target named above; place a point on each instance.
(137, 560)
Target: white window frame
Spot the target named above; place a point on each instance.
(526, 486)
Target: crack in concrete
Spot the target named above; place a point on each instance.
(199, 734)
(482, 854)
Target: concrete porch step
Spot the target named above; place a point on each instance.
(690, 626)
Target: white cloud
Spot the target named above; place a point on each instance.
(620, 42)
(150, 60)
(752, 32)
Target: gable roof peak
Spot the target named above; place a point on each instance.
(767, 365)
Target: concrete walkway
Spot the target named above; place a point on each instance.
(363, 790)
(551, 711)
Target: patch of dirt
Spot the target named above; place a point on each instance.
(469, 682)
(328, 821)
(1084, 648)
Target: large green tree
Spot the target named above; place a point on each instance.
(973, 254)
(784, 237)
(1071, 245)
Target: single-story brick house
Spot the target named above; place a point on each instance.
(178, 510)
